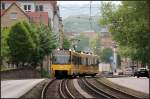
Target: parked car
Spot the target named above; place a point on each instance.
(142, 72)
(128, 71)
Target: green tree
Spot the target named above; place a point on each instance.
(83, 43)
(47, 41)
(35, 37)
(4, 46)
(106, 54)
(66, 43)
(20, 43)
(129, 27)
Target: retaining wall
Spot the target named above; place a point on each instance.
(20, 74)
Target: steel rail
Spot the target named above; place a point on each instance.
(63, 89)
(96, 90)
(115, 89)
(45, 88)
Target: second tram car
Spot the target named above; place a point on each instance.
(67, 63)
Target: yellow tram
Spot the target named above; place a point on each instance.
(67, 63)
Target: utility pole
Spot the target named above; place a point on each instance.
(114, 58)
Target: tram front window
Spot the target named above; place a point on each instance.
(61, 59)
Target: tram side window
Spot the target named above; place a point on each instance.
(75, 60)
(79, 60)
(72, 59)
(82, 61)
(86, 61)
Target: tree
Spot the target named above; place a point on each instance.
(4, 46)
(35, 37)
(106, 54)
(84, 42)
(66, 43)
(129, 27)
(20, 43)
(47, 41)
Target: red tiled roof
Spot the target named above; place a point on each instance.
(36, 17)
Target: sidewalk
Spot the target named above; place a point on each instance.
(17, 88)
(139, 84)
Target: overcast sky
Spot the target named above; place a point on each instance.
(66, 11)
(82, 2)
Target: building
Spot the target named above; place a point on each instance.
(56, 19)
(90, 34)
(106, 38)
(13, 14)
(38, 11)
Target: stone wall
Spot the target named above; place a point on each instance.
(20, 74)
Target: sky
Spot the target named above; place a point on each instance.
(82, 2)
(66, 11)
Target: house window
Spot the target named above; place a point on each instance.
(39, 8)
(13, 15)
(2, 6)
(27, 7)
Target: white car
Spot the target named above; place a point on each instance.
(128, 71)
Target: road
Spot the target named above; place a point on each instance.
(17, 88)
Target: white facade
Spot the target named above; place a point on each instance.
(31, 3)
(56, 21)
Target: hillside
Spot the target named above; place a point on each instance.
(80, 23)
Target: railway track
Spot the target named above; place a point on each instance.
(118, 91)
(60, 89)
(105, 91)
(64, 91)
(92, 90)
(64, 88)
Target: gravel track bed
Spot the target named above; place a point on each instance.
(73, 90)
(52, 90)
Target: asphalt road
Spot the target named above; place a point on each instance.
(17, 88)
